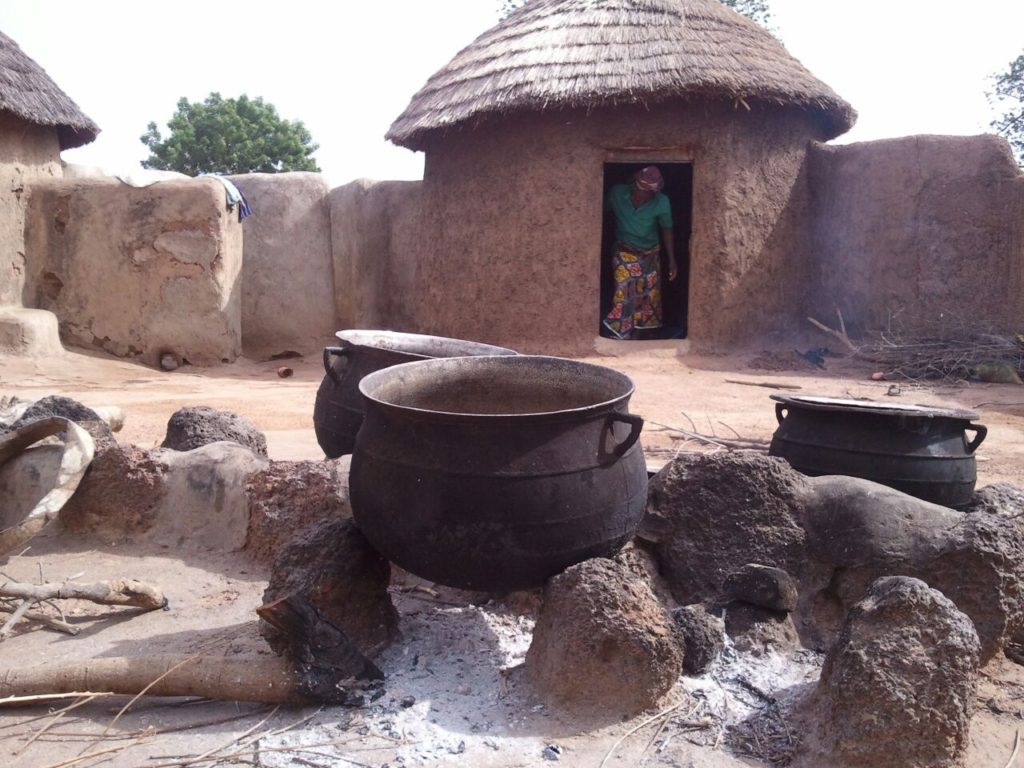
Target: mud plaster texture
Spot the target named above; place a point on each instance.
(506, 246)
(29, 153)
(375, 243)
(138, 271)
(916, 227)
(287, 273)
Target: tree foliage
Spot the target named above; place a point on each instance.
(754, 9)
(221, 135)
(1009, 92)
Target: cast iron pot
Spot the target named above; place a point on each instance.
(338, 412)
(919, 450)
(495, 473)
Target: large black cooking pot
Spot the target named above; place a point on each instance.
(338, 412)
(919, 450)
(495, 473)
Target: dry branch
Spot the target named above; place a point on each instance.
(269, 680)
(115, 592)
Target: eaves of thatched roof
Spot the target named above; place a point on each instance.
(28, 92)
(556, 54)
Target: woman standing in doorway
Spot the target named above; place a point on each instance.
(643, 219)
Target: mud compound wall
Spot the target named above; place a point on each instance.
(376, 241)
(916, 227)
(287, 273)
(510, 243)
(137, 271)
(28, 153)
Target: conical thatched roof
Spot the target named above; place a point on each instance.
(585, 53)
(27, 91)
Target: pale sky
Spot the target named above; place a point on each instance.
(348, 68)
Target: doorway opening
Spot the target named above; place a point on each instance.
(675, 294)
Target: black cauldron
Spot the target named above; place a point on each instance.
(338, 412)
(918, 450)
(495, 473)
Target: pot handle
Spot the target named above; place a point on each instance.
(781, 409)
(981, 430)
(636, 423)
(328, 353)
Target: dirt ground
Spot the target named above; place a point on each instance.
(465, 710)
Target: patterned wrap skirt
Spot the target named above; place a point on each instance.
(636, 303)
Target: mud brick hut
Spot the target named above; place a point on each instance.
(524, 130)
(37, 121)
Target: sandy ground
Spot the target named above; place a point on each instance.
(464, 711)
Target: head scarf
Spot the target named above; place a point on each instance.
(649, 179)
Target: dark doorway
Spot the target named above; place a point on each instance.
(679, 189)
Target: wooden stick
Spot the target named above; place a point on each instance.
(1016, 746)
(839, 336)
(16, 614)
(630, 732)
(765, 384)
(37, 698)
(114, 592)
(265, 679)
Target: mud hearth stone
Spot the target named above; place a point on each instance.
(763, 586)
(290, 495)
(864, 531)
(898, 688)
(709, 515)
(120, 494)
(759, 630)
(333, 568)
(702, 636)
(72, 410)
(602, 641)
(197, 425)
(1004, 499)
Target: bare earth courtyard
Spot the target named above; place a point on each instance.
(449, 697)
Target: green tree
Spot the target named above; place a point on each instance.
(754, 9)
(221, 135)
(1009, 93)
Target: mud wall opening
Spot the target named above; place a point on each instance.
(679, 190)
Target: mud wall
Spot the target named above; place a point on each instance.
(911, 228)
(28, 153)
(509, 250)
(137, 271)
(376, 241)
(287, 273)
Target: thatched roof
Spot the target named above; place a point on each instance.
(27, 91)
(552, 54)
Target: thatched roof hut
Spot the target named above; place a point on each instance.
(28, 92)
(552, 54)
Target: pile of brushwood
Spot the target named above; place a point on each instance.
(944, 347)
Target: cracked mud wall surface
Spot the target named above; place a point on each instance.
(138, 271)
(28, 153)
(287, 274)
(915, 227)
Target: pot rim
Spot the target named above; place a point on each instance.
(419, 345)
(847, 405)
(371, 381)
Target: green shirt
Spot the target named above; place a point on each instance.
(638, 227)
